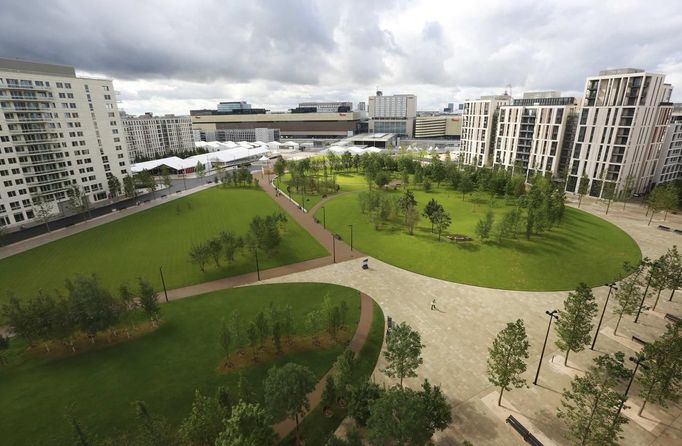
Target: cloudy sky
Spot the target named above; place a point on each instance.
(168, 56)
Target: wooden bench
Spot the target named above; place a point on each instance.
(640, 341)
(673, 318)
(664, 228)
(525, 433)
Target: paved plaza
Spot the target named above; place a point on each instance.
(457, 335)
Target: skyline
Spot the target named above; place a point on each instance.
(168, 58)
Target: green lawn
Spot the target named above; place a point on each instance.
(139, 244)
(583, 248)
(347, 182)
(162, 368)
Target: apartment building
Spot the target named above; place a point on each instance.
(148, 136)
(535, 134)
(478, 128)
(56, 130)
(669, 166)
(392, 114)
(622, 124)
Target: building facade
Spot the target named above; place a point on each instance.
(535, 134)
(478, 128)
(620, 131)
(231, 106)
(439, 127)
(392, 114)
(248, 135)
(149, 136)
(56, 131)
(327, 107)
(669, 166)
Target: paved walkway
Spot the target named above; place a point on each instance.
(287, 426)
(458, 335)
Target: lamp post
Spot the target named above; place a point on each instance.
(163, 282)
(638, 360)
(334, 247)
(255, 251)
(552, 315)
(351, 237)
(612, 286)
(324, 217)
(646, 290)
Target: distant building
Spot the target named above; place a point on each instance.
(56, 131)
(535, 134)
(478, 128)
(149, 136)
(436, 127)
(233, 105)
(669, 166)
(450, 108)
(624, 117)
(327, 107)
(392, 114)
(362, 106)
(248, 135)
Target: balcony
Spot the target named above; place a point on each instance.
(11, 87)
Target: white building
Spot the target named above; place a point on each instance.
(56, 130)
(392, 114)
(535, 134)
(478, 128)
(669, 166)
(623, 120)
(149, 136)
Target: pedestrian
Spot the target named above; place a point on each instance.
(433, 304)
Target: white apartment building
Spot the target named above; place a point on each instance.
(56, 130)
(669, 166)
(478, 128)
(620, 132)
(149, 136)
(392, 114)
(535, 134)
(328, 107)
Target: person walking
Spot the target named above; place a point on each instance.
(433, 304)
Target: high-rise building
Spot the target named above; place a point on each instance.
(392, 114)
(669, 166)
(623, 120)
(478, 128)
(149, 136)
(231, 106)
(327, 107)
(56, 131)
(535, 134)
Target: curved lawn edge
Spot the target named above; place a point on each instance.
(316, 428)
(481, 284)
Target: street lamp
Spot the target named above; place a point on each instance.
(255, 251)
(351, 237)
(612, 286)
(324, 217)
(333, 246)
(552, 315)
(163, 282)
(646, 290)
(638, 360)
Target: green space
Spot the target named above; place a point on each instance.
(347, 182)
(162, 368)
(583, 248)
(162, 236)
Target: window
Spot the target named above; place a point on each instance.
(60, 85)
(67, 85)
(107, 97)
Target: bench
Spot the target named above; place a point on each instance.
(664, 228)
(459, 238)
(640, 341)
(677, 231)
(673, 318)
(337, 236)
(518, 427)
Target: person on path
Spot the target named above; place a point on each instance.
(433, 304)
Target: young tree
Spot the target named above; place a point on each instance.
(43, 207)
(328, 398)
(507, 227)
(252, 334)
(93, 308)
(411, 218)
(165, 177)
(442, 221)
(129, 186)
(225, 338)
(507, 358)
(199, 255)
(262, 326)
(361, 399)
(673, 270)
(286, 392)
(205, 422)
(485, 225)
(343, 373)
(236, 328)
(149, 301)
(575, 321)
(78, 200)
(231, 244)
(114, 186)
(200, 169)
(590, 408)
(277, 336)
(403, 352)
(435, 407)
(430, 209)
(583, 188)
(280, 167)
(147, 181)
(661, 378)
(248, 425)
(628, 296)
(466, 185)
(608, 193)
(628, 189)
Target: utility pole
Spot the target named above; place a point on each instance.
(552, 315)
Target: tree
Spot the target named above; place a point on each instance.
(590, 408)
(129, 186)
(286, 392)
(200, 169)
(280, 167)
(3, 234)
(411, 218)
(361, 399)
(583, 188)
(403, 352)
(42, 207)
(442, 221)
(673, 270)
(149, 301)
(225, 338)
(152, 430)
(114, 185)
(508, 225)
(656, 201)
(93, 308)
(608, 193)
(485, 225)
(262, 327)
(165, 176)
(277, 336)
(328, 398)
(507, 358)
(661, 378)
(236, 328)
(628, 295)
(575, 321)
(248, 425)
(147, 181)
(78, 200)
(231, 244)
(199, 255)
(435, 406)
(430, 209)
(466, 185)
(628, 189)
(205, 421)
(252, 334)
(343, 373)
